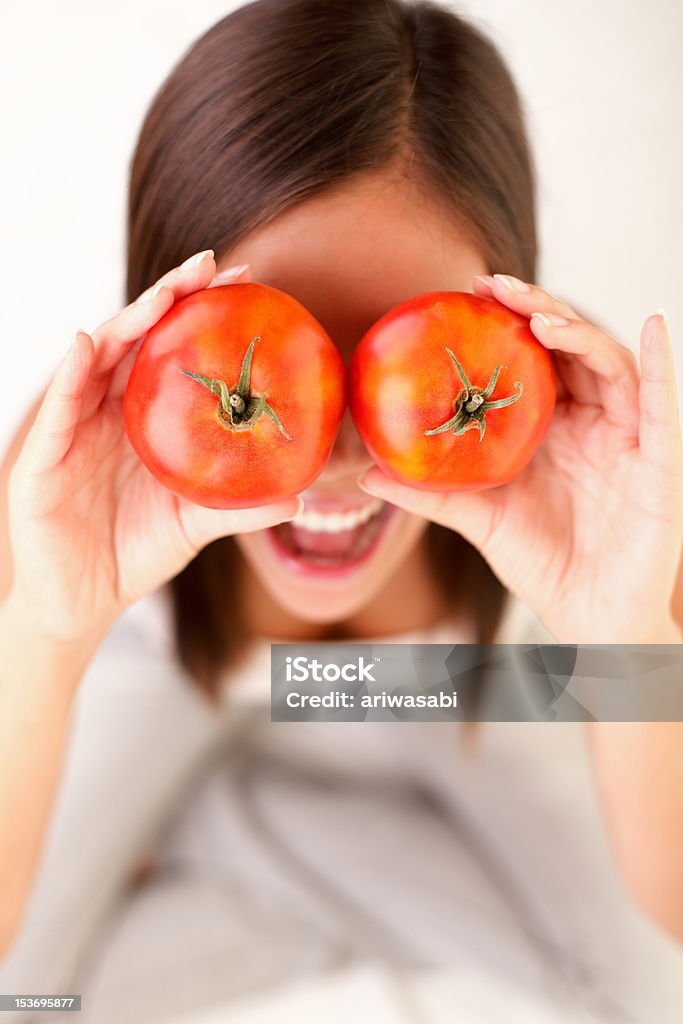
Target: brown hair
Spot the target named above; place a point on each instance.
(279, 101)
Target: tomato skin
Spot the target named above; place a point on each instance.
(402, 382)
(172, 420)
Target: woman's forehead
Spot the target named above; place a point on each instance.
(354, 252)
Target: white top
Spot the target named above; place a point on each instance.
(306, 869)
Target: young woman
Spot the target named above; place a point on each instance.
(353, 155)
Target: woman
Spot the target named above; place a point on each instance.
(353, 155)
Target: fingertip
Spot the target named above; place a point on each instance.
(157, 303)
(210, 523)
(76, 337)
(374, 482)
(152, 293)
(295, 507)
(483, 283)
(541, 326)
(361, 480)
(80, 353)
(655, 330)
(510, 284)
(661, 324)
(197, 259)
(166, 292)
(541, 334)
(230, 275)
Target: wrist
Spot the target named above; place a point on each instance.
(32, 650)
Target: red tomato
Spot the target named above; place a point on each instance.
(438, 426)
(235, 397)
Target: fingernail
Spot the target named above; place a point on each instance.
(74, 339)
(194, 261)
(225, 276)
(231, 271)
(299, 508)
(513, 283)
(485, 279)
(69, 357)
(551, 319)
(151, 292)
(664, 315)
(361, 482)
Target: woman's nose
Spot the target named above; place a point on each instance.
(349, 455)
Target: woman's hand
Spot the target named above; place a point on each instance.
(589, 534)
(91, 529)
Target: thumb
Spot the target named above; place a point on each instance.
(473, 514)
(203, 525)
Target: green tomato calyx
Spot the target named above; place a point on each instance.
(239, 408)
(472, 404)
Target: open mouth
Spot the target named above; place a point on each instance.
(325, 539)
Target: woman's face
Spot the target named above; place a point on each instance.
(349, 256)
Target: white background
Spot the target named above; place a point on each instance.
(602, 82)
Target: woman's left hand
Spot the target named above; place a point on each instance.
(589, 535)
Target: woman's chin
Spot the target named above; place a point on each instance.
(320, 570)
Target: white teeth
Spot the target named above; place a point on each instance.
(333, 522)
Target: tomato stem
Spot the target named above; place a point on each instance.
(239, 408)
(471, 404)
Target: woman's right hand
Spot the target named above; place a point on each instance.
(91, 530)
